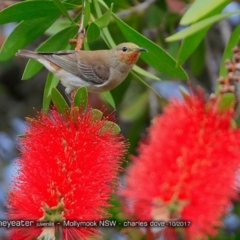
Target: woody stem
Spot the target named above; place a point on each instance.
(81, 30)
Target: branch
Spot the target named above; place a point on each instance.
(81, 32)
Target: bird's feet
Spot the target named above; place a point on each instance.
(70, 93)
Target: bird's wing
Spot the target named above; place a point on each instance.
(95, 73)
(64, 59)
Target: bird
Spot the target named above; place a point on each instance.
(98, 70)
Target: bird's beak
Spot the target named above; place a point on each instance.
(140, 49)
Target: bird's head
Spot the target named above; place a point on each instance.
(128, 52)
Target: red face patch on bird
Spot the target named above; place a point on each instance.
(130, 57)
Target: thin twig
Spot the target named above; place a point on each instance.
(81, 32)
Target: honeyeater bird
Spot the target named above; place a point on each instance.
(98, 71)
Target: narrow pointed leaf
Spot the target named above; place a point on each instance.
(76, 2)
(23, 34)
(108, 97)
(87, 12)
(30, 10)
(51, 83)
(199, 26)
(62, 8)
(199, 9)
(81, 98)
(86, 45)
(57, 42)
(156, 56)
(144, 83)
(93, 32)
(189, 44)
(104, 20)
(59, 101)
(104, 31)
(144, 73)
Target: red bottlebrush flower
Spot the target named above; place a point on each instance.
(66, 172)
(187, 168)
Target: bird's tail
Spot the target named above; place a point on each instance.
(27, 54)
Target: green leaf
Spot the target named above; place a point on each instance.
(62, 8)
(76, 2)
(81, 98)
(51, 83)
(156, 56)
(30, 10)
(196, 60)
(199, 9)
(144, 83)
(57, 42)
(134, 110)
(93, 32)
(59, 101)
(98, 9)
(96, 114)
(104, 31)
(108, 97)
(103, 3)
(62, 23)
(87, 12)
(86, 45)
(189, 44)
(110, 125)
(23, 34)
(144, 73)
(226, 102)
(104, 20)
(232, 42)
(199, 26)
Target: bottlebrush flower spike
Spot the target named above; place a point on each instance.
(186, 169)
(67, 170)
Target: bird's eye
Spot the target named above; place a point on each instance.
(124, 49)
